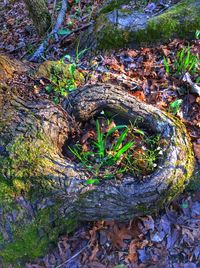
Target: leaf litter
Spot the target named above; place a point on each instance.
(170, 238)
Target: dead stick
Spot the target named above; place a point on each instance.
(74, 256)
(61, 16)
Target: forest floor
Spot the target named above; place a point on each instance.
(170, 238)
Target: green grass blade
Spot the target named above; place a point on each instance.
(76, 153)
(100, 140)
(120, 140)
(166, 64)
(112, 130)
(123, 150)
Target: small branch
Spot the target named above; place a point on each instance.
(194, 88)
(74, 256)
(61, 16)
(77, 30)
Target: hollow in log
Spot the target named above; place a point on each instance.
(42, 194)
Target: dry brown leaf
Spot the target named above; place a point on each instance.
(166, 51)
(110, 126)
(92, 233)
(88, 135)
(114, 64)
(118, 235)
(132, 251)
(139, 95)
(161, 105)
(132, 53)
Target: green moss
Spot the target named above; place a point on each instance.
(109, 36)
(36, 238)
(182, 20)
(1, 238)
(25, 166)
(194, 184)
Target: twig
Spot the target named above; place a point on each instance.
(76, 30)
(54, 8)
(194, 88)
(74, 256)
(61, 16)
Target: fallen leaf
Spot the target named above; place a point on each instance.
(132, 53)
(132, 251)
(139, 95)
(117, 236)
(88, 135)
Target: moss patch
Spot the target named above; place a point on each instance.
(25, 159)
(33, 240)
(60, 67)
(109, 36)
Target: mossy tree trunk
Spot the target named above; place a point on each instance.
(116, 27)
(42, 194)
(39, 14)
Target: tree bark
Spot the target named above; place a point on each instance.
(42, 194)
(39, 14)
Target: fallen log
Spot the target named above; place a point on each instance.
(42, 194)
(119, 26)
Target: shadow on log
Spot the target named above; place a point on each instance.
(42, 194)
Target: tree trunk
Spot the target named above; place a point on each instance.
(42, 194)
(40, 15)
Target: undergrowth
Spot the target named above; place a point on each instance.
(61, 84)
(111, 150)
(185, 61)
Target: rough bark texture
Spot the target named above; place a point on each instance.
(40, 15)
(8, 67)
(42, 194)
(118, 27)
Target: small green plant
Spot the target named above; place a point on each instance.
(166, 64)
(60, 86)
(97, 160)
(142, 160)
(108, 157)
(175, 106)
(185, 62)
